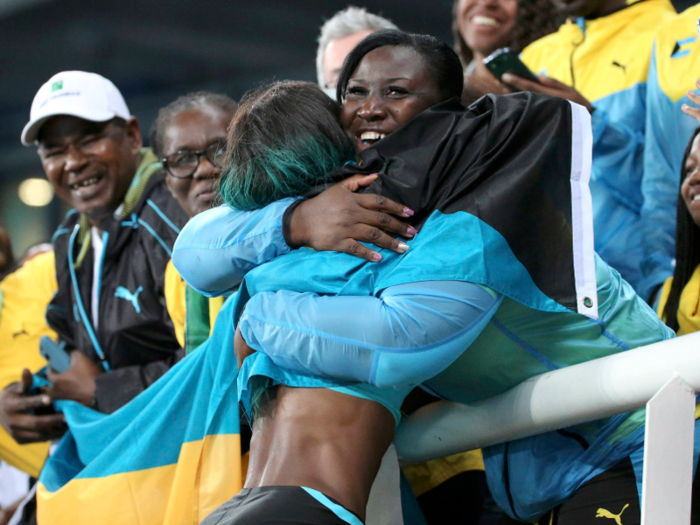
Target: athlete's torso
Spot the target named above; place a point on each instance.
(322, 439)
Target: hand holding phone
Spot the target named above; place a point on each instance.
(55, 354)
(505, 61)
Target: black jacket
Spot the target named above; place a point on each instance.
(134, 335)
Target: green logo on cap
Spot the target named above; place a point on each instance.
(57, 85)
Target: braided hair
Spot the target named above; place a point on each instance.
(535, 19)
(687, 249)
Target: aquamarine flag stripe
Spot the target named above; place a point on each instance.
(196, 398)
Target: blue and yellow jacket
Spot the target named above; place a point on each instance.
(675, 66)
(607, 61)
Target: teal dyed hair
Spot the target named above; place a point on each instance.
(278, 172)
(284, 140)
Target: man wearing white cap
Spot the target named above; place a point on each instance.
(111, 254)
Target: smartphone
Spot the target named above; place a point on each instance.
(55, 354)
(505, 61)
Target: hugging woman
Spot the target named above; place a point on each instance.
(486, 296)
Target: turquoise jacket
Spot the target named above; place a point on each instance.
(330, 315)
(675, 67)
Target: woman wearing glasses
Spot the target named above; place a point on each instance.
(189, 138)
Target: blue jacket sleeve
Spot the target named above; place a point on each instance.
(668, 130)
(218, 247)
(618, 144)
(406, 335)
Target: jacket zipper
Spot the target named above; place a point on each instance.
(581, 22)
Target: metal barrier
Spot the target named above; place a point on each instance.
(664, 376)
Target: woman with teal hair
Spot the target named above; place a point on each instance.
(499, 285)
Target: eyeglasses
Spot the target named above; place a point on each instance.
(183, 164)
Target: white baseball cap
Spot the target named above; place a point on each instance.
(76, 93)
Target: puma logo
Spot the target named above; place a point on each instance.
(21, 332)
(682, 47)
(616, 63)
(603, 513)
(133, 298)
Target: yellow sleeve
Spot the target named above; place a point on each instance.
(215, 304)
(663, 297)
(175, 301)
(426, 476)
(26, 293)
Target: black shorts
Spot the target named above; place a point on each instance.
(281, 506)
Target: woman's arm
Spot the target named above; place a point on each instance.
(217, 248)
(405, 336)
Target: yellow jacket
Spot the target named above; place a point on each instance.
(24, 296)
(607, 61)
(688, 315)
(175, 300)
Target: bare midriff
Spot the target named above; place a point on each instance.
(321, 439)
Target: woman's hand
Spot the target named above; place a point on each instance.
(695, 99)
(338, 218)
(548, 86)
(17, 413)
(240, 347)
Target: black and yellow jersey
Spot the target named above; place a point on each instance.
(24, 295)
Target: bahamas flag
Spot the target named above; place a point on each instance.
(171, 456)
(500, 195)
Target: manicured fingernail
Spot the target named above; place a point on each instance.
(46, 400)
(403, 247)
(507, 77)
(684, 106)
(409, 212)
(411, 230)
(371, 174)
(376, 257)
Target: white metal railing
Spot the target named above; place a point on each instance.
(664, 376)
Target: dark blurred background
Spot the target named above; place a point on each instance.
(155, 51)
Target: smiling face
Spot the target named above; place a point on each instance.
(189, 131)
(690, 188)
(391, 86)
(90, 164)
(486, 25)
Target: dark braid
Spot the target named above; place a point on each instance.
(195, 100)
(687, 249)
(535, 19)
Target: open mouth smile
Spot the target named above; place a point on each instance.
(370, 138)
(85, 183)
(480, 20)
